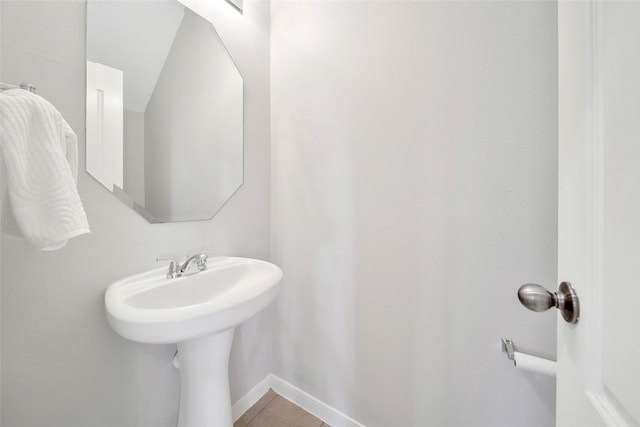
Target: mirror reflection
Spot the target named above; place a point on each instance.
(164, 109)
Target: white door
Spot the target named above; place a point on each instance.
(105, 124)
(599, 212)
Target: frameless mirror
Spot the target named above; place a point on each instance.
(164, 109)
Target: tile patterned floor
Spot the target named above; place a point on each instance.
(273, 410)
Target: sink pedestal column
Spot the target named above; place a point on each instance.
(204, 372)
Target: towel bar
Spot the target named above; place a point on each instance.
(26, 86)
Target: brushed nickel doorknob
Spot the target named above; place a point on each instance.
(538, 298)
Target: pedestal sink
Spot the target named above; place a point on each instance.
(199, 313)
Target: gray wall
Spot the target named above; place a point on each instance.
(61, 363)
(414, 189)
(133, 149)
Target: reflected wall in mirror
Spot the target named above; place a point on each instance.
(164, 109)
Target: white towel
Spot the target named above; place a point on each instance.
(40, 154)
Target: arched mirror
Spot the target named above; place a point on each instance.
(164, 109)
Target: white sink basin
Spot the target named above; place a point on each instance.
(150, 308)
(199, 313)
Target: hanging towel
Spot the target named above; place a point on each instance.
(40, 155)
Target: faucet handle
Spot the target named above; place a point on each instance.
(173, 259)
(203, 257)
(174, 266)
(201, 260)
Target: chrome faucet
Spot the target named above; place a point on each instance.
(193, 264)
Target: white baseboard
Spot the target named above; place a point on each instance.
(249, 399)
(326, 413)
